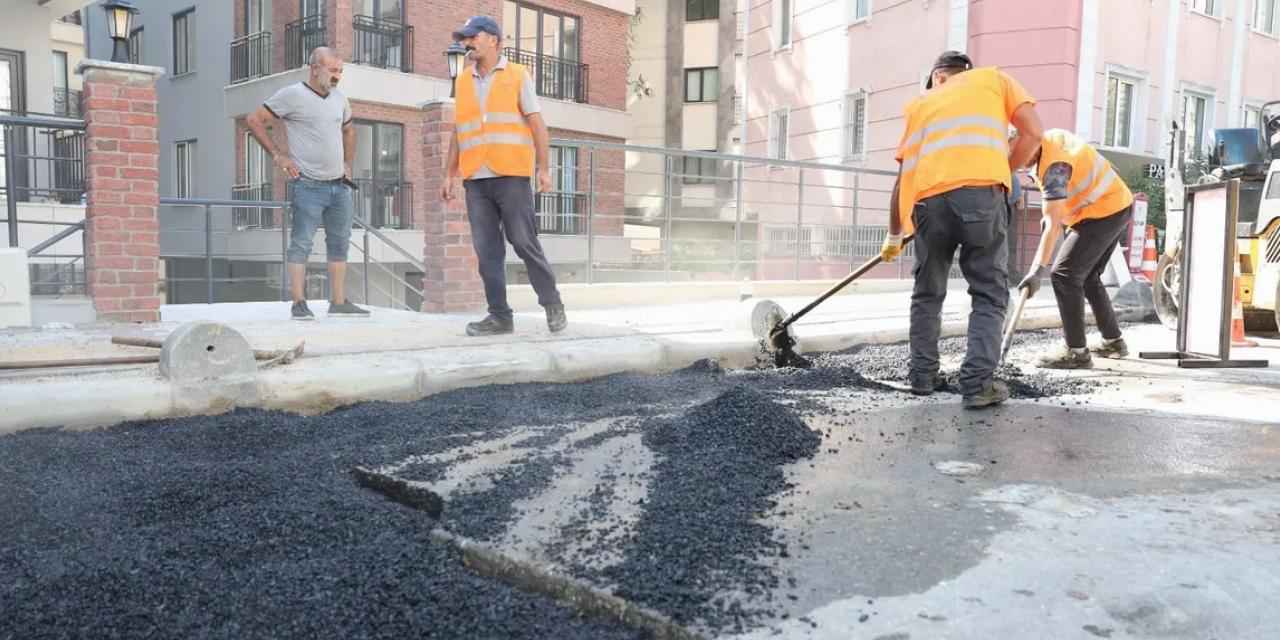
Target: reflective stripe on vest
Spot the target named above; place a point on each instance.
(495, 135)
(1095, 189)
(957, 136)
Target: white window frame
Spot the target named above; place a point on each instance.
(778, 144)
(1205, 142)
(257, 162)
(848, 126)
(188, 44)
(859, 11)
(1250, 106)
(1214, 8)
(184, 151)
(1138, 111)
(1274, 31)
(777, 29)
(1132, 115)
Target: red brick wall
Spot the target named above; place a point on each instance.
(122, 243)
(604, 49)
(452, 281)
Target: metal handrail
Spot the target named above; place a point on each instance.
(713, 155)
(56, 238)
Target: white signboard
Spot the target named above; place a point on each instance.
(1205, 280)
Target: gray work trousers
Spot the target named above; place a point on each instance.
(504, 205)
(1077, 275)
(975, 220)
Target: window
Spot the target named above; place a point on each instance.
(778, 125)
(388, 10)
(382, 199)
(1252, 116)
(257, 163)
(859, 10)
(541, 32)
(184, 42)
(701, 85)
(558, 211)
(65, 101)
(1120, 94)
(135, 46)
(312, 8)
(1207, 7)
(782, 14)
(1194, 117)
(1264, 16)
(695, 10)
(782, 241)
(256, 19)
(855, 125)
(699, 170)
(185, 161)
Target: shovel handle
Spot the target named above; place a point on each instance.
(1012, 325)
(857, 273)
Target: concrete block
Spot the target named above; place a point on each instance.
(202, 351)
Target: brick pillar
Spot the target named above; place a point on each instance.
(452, 280)
(122, 172)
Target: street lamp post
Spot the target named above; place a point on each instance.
(456, 54)
(119, 24)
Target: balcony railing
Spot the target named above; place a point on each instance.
(554, 77)
(300, 37)
(561, 213)
(251, 57)
(383, 43)
(66, 102)
(253, 217)
(41, 159)
(384, 204)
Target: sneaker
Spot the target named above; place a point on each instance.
(922, 386)
(1115, 349)
(491, 326)
(1066, 359)
(347, 309)
(556, 320)
(301, 312)
(992, 394)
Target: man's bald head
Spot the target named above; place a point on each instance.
(326, 69)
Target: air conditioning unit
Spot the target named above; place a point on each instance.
(15, 288)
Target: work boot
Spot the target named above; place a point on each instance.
(926, 385)
(301, 312)
(1066, 358)
(993, 393)
(491, 326)
(345, 308)
(556, 320)
(1114, 349)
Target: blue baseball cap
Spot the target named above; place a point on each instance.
(475, 25)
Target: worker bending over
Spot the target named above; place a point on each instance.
(1083, 193)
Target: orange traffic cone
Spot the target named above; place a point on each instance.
(1237, 316)
(1149, 256)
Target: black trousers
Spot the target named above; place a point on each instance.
(1077, 275)
(504, 206)
(974, 220)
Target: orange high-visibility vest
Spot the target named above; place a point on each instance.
(496, 135)
(1094, 190)
(957, 136)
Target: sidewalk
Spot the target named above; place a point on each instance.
(402, 356)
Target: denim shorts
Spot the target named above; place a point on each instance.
(315, 202)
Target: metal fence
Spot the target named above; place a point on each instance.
(211, 256)
(386, 44)
(300, 37)
(251, 57)
(553, 77)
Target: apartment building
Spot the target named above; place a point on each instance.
(829, 78)
(226, 57)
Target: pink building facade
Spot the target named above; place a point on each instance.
(828, 78)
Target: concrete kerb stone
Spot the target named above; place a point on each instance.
(317, 385)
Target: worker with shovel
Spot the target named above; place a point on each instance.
(952, 189)
(1082, 193)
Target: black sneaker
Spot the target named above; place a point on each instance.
(491, 326)
(1066, 358)
(991, 395)
(347, 309)
(1115, 349)
(556, 320)
(301, 312)
(925, 386)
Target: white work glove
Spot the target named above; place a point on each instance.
(892, 247)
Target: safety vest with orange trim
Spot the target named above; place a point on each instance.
(496, 135)
(1094, 190)
(957, 136)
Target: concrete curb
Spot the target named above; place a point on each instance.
(317, 385)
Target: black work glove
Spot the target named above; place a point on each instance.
(1031, 283)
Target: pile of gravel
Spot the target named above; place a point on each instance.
(719, 469)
